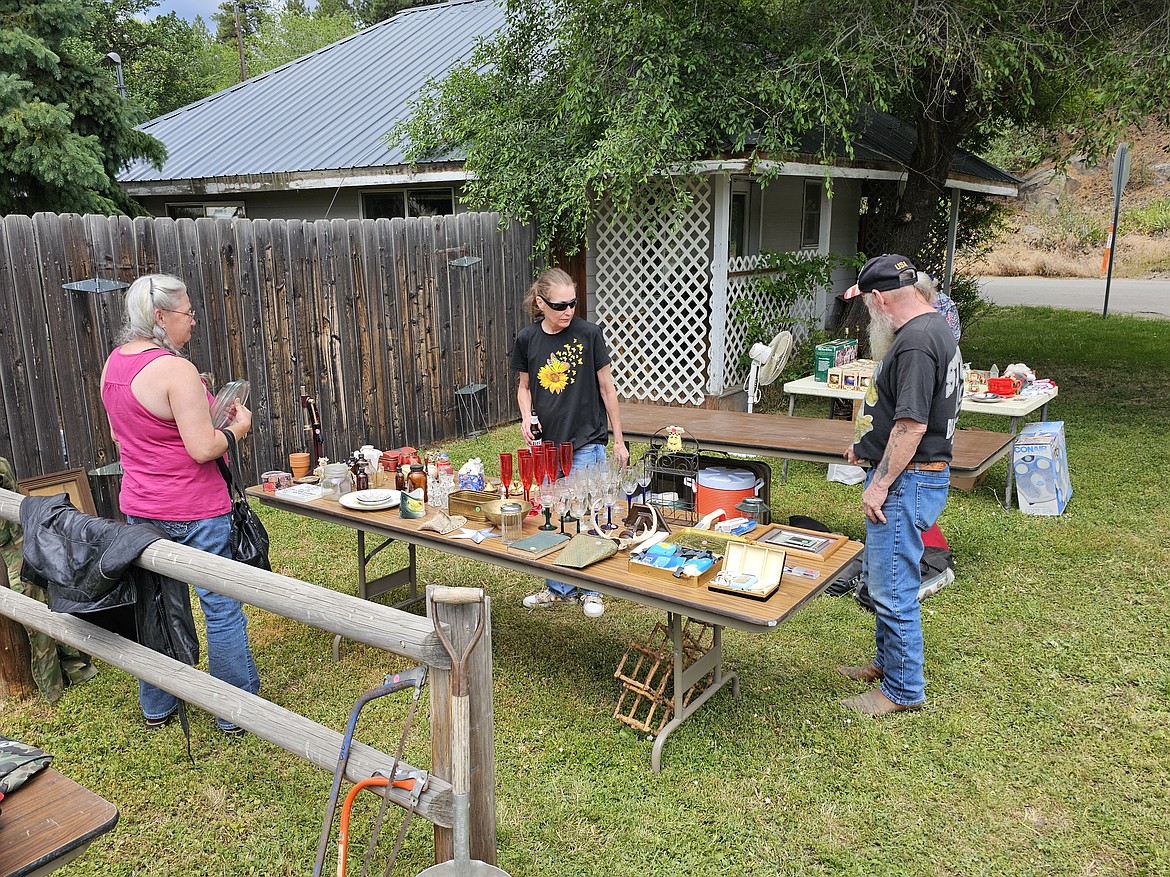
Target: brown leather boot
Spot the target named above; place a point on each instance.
(864, 673)
(875, 703)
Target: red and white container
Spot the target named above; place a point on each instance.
(722, 487)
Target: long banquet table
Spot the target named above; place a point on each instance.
(796, 438)
(611, 577)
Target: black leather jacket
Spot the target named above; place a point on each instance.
(86, 565)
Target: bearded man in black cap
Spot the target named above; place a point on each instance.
(904, 432)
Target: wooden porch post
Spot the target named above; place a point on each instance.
(952, 239)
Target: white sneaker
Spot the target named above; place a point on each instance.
(547, 598)
(592, 605)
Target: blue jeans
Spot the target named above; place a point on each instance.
(893, 552)
(586, 455)
(229, 657)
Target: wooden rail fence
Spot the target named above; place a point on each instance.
(380, 320)
(400, 633)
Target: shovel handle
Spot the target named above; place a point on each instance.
(456, 596)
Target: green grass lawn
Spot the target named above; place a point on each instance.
(1044, 747)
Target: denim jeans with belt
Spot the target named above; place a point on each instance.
(893, 552)
(586, 455)
(229, 657)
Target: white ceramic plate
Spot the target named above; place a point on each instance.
(357, 500)
(986, 397)
(373, 497)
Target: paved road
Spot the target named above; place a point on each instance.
(1146, 298)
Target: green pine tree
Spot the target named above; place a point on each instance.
(64, 130)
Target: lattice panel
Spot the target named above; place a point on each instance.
(794, 318)
(653, 293)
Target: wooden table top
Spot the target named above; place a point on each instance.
(49, 821)
(610, 576)
(799, 438)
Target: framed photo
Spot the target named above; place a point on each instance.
(72, 482)
(803, 543)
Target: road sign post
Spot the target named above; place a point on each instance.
(1121, 165)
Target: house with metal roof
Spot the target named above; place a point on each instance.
(308, 140)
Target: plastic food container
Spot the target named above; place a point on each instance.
(722, 487)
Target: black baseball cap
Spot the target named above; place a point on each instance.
(883, 273)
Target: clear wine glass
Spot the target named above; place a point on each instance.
(642, 475)
(547, 494)
(597, 499)
(577, 503)
(629, 485)
(562, 501)
(610, 495)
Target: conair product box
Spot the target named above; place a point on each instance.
(1041, 469)
(832, 354)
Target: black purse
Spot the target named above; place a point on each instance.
(248, 540)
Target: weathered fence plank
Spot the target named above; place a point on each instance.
(282, 727)
(368, 315)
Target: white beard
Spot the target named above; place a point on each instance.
(881, 332)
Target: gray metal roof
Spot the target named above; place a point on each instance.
(328, 110)
(887, 139)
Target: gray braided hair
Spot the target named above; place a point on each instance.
(148, 292)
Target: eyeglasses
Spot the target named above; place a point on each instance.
(560, 305)
(190, 315)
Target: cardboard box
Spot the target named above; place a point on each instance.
(1043, 486)
(840, 351)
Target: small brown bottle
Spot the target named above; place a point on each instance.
(363, 478)
(418, 479)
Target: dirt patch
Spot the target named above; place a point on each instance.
(1059, 224)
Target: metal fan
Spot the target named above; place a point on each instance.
(768, 361)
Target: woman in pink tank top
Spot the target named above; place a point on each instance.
(160, 417)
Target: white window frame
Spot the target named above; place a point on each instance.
(810, 232)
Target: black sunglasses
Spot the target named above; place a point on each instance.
(559, 305)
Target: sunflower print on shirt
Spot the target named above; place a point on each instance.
(561, 368)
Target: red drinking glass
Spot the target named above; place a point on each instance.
(538, 471)
(550, 460)
(525, 470)
(566, 458)
(506, 472)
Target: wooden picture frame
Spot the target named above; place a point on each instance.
(799, 542)
(72, 482)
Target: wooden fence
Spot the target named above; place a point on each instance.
(397, 632)
(381, 321)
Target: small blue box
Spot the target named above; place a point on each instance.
(1043, 485)
(471, 482)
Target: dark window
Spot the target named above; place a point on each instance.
(737, 233)
(810, 226)
(383, 205)
(431, 202)
(230, 210)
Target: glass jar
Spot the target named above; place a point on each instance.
(335, 480)
(511, 522)
(755, 508)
